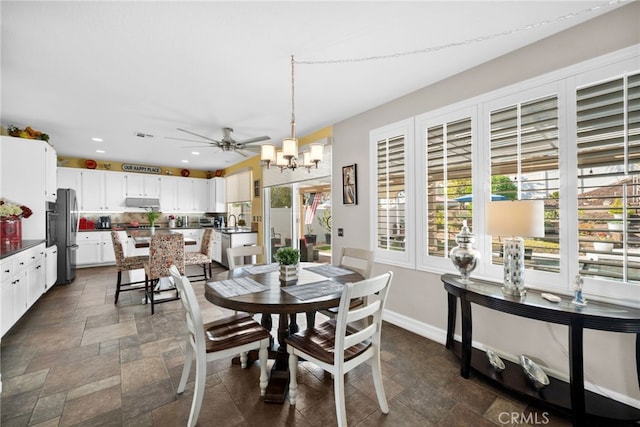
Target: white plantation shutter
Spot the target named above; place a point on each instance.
(524, 148)
(608, 157)
(449, 165)
(391, 224)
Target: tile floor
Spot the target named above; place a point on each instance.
(76, 359)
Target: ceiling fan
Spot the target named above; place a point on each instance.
(227, 143)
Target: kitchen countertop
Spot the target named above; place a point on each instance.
(7, 251)
(194, 227)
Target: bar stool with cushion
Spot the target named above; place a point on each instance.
(164, 250)
(341, 344)
(203, 257)
(216, 340)
(126, 263)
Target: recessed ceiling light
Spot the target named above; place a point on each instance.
(99, 151)
(195, 153)
(97, 139)
(185, 161)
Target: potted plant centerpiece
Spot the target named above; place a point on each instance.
(288, 258)
(152, 216)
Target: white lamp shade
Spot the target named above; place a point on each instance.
(523, 218)
(268, 153)
(280, 160)
(290, 147)
(315, 152)
(306, 159)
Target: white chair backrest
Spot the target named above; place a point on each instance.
(376, 290)
(236, 255)
(192, 310)
(360, 260)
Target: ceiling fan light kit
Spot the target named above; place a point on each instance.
(287, 158)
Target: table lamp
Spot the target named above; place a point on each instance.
(513, 219)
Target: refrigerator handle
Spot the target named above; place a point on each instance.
(74, 247)
(77, 214)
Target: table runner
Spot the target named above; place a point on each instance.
(328, 270)
(260, 269)
(314, 290)
(235, 287)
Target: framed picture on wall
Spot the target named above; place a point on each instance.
(256, 188)
(349, 185)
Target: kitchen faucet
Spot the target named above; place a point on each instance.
(235, 221)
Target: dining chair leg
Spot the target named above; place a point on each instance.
(146, 289)
(186, 369)
(198, 392)
(263, 355)
(153, 291)
(293, 380)
(243, 359)
(118, 286)
(204, 271)
(341, 409)
(376, 372)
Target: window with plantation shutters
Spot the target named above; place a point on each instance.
(608, 161)
(524, 165)
(391, 194)
(449, 160)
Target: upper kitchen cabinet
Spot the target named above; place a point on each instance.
(50, 171)
(239, 187)
(102, 191)
(23, 180)
(217, 201)
(183, 194)
(141, 185)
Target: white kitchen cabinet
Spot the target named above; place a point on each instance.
(216, 253)
(94, 248)
(239, 187)
(169, 194)
(185, 194)
(141, 185)
(216, 200)
(22, 180)
(192, 233)
(200, 197)
(102, 191)
(70, 178)
(51, 269)
(22, 283)
(50, 170)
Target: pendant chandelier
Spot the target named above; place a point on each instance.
(287, 158)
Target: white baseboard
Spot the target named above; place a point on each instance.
(440, 335)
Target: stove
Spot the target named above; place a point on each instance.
(142, 227)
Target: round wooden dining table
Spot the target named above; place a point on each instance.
(273, 300)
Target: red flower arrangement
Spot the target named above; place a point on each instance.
(12, 210)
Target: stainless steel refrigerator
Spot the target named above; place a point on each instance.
(66, 232)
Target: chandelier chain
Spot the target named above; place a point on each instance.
(479, 39)
(293, 93)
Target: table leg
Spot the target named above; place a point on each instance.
(279, 380)
(465, 360)
(451, 319)
(576, 372)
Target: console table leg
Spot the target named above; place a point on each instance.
(465, 362)
(451, 319)
(576, 372)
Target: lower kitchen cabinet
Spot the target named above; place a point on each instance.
(23, 282)
(95, 248)
(51, 270)
(217, 246)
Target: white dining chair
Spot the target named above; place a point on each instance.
(221, 338)
(338, 345)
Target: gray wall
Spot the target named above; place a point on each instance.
(417, 300)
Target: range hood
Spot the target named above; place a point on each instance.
(142, 202)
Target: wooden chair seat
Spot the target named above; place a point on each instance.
(233, 331)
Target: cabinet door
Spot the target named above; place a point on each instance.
(217, 195)
(89, 248)
(108, 254)
(134, 185)
(93, 188)
(70, 178)
(6, 295)
(51, 179)
(168, 194)
(185, 195)
(217, 247)
(35, 276)
(115, 188)
(51, 270)
(151, 186)
(200, 195)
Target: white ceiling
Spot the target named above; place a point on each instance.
(78, 70)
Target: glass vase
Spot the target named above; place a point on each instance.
(10, 231)
(464, 256)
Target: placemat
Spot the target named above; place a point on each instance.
(328, 270)
(235, 287)
(260, 269)
(313, 290)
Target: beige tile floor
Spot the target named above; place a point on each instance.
(76, 359)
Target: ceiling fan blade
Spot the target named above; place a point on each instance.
(200, 146)
(256, 139)
(190, 140)
(196, 134)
